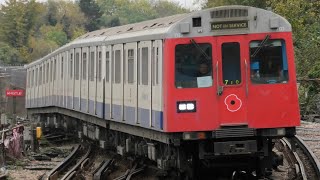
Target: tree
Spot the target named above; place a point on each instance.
(92, 11)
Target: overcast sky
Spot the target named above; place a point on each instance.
(185, 3)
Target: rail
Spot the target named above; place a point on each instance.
(53, 174)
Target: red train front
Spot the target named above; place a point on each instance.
(230, 82)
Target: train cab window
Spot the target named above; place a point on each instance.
(231, 66)
(268, 64)
(193, 65)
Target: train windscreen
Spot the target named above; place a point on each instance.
(193, 65)
(268, 62)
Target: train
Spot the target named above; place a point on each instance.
(211, 88)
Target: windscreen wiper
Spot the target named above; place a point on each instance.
(265, 40)
(200, 49)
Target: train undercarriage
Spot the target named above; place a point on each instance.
(191, 155)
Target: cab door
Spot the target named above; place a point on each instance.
(231, 72)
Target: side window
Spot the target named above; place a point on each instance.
(231, 66)
(36, 77)
(71, 66)
(62, 67)
(117, 65)
(130, 66)
(107, 66)
(55, 69)
(145, 65)
(44, 70)
(84, 66)
(40, 75)
(193, 65)
(99, 66)
(32, 78)
(92, 66)
(268, 63)
(76, 71)
(51, 71)
(47, 78)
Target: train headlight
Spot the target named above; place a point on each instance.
(186, 106)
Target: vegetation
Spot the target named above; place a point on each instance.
(29, 30)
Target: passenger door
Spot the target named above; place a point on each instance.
(232, 72)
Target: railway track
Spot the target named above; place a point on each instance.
(301, 160)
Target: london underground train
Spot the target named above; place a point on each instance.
(208, 88)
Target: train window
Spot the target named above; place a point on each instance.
(44, 69)
(268, 64)
(40, 75)
(145, 66)
(36, 77)
(130, 66)
(99, 66)
(31, 82)
(92, 67)
(62, 67)
(231, 66)
(71, 65)
(51, 70)
(193, 65)
(117, 67)
(76, 71)
(124, 66)
(153, 66)
(47, 78)
(157, 66)
(138, 74)
(107, 65)
(84, 66)
(55, 69)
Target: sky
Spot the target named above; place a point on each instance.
(190, 4)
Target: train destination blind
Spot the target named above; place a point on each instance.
(229, 25)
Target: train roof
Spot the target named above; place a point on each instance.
(217, 21)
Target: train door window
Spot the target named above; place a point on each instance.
(231, 66)
(145, 65)
(117, 69)
(193, 65)
(55, 69)
(51, 70)
(268, 63)
(84, 66)
(71, 66)
(62, 67)
(153, 66)
(44, 70)
(157, 66)
(31, 82)
(40, 77)
(138, 67)
(76, 71)
(47, 75)
(36, 77)
(124, 66)
(92, 66)
(130, 66)
(107, 66)
(99, 66)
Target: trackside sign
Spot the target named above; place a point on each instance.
(15, 93)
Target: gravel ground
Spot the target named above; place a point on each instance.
(310, 134)
(17, 169)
